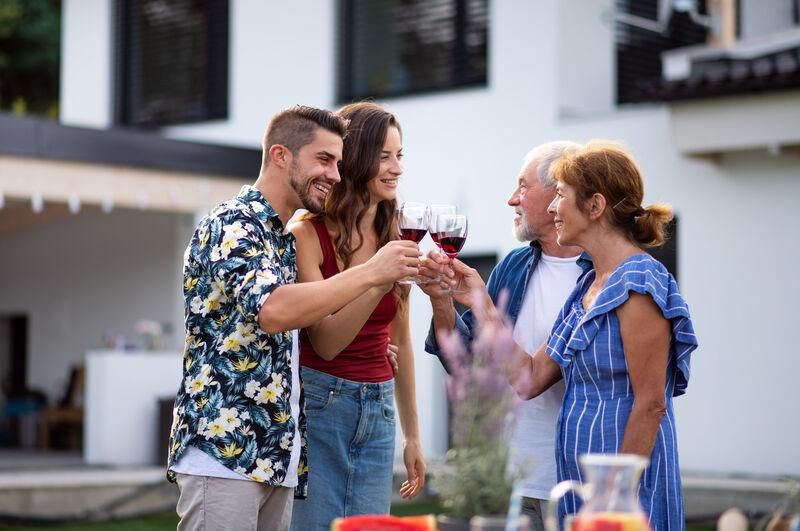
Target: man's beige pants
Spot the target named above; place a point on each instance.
(212, 504)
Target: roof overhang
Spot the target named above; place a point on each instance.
(43, 160)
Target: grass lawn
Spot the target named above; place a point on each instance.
(156, 522)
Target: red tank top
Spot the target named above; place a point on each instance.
(363, 360)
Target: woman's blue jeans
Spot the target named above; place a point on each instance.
(351, 432)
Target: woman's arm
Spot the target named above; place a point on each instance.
(645, 338)
(407, 404)
(333, 333)
(528, 375)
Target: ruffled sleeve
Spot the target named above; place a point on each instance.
(641, 274)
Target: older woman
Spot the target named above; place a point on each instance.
(623, 338)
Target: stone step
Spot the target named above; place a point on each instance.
(84, 493)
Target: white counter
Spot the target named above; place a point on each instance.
(120, 424)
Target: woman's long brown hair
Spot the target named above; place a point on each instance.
(349, 200)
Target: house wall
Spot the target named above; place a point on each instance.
(738, 244)
(89, 275)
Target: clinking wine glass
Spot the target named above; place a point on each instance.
(451, 230)
(412, 220)
(434, 211)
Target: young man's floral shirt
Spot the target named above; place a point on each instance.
(233, 402)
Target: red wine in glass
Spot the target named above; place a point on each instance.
(415, 235)
(412, 223)
(452, 232)
(451, 245)
(433, 213)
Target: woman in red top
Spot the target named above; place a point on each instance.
(347, 379)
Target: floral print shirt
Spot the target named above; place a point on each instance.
(234, 398)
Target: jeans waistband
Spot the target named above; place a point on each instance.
(340, 386)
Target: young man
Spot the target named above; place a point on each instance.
(538, 277)
(237, 448)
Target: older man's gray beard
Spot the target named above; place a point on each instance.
(524, 232)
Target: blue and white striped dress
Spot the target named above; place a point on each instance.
(599, 397)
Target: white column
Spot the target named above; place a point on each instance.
(87, 63)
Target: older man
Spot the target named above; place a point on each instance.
(538, 277)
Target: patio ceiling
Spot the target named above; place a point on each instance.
(59, 182)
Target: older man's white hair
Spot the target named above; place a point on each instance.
(545, 155)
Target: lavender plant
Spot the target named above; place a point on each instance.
(475, 478)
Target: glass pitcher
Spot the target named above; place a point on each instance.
(609, 495)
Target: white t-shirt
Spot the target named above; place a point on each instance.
(533, 440)
(195, 462)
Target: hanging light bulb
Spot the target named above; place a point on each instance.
(74, 203)
(142, 201)
(175, 194)
(107, 204)
(37, 202)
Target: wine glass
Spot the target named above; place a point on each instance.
(451, 230)
(412, 221)
(433, 213)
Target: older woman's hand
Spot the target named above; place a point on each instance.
(435, 274)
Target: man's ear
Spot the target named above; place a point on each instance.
(597, 206)
(280, 155)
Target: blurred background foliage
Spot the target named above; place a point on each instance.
(30, 35)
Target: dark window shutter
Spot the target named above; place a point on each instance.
(172, 61)
(399, 47)
(639, 50)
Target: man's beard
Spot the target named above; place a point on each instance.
(524, 232)
(312, 204)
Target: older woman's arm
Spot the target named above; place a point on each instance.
(646, 339)
(529, 375)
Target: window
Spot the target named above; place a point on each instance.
(399, 47)
(667, 254)
(483, 264)
(172, 61)
(639, 49)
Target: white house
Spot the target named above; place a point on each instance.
(476, 84)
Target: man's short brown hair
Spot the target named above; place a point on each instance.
(295, 126)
